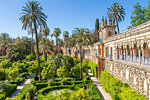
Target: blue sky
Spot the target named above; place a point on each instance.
(64, 14)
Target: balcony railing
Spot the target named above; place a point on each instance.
(147, 60)
(137, 59)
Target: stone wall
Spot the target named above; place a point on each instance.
(137, 76)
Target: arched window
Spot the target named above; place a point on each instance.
(109, 34)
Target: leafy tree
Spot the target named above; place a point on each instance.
(48, 72)
(147, 14)
(33, 70)
(27, 42)
(16, 51)
(5, 64)
(4, 39)
(117, 13)
(62, 72)
(31, 57)
(76, 71)
(96, 34)
(56, 33)
(12, 73)
(83, 38)
(33, 15)
(2, 74)
(138, 15)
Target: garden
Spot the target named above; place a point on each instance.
(61, 79)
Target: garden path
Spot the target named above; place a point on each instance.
(19, 87)
(103, 95)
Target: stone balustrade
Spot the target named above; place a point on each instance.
(131, 32)
(137, 76)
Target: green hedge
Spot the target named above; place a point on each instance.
(117, 89)
(44, 84)
(77, 86)
(18, 81)
(94, 68)
(43, 91)
(94, 92)
(21, 94)
(10, 90)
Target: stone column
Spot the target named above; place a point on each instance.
(143, 60)
(139, 55)
(126, 54)
(120, 54)
(133, 56)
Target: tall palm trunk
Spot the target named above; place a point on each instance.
(32, 43)
(37, 44)
(56, 45)
(69, 52)
(117, 24)
(45, 54)
(80, 48)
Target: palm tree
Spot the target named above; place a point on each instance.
(117, 13)
(65, 36)
(46, 46)
(82, 37)
(33, 15)
(45, 31)
(56, 33)
(4, 38)
(31, 31)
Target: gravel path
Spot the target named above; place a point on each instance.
(19, 87)
(104, 95)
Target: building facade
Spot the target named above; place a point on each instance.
(125, 55)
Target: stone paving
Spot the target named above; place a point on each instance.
(19, 87)
(104, 95)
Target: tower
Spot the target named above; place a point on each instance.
(106, 30)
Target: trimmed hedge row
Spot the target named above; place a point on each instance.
(94, 68)
(117, 89)
(21, 94)
(44, 84)
(94, 92)
(43, 91)
(18, 81)
(10, 90)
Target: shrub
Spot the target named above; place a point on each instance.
(31, 57)
(33, 70)
(2, 74)
(10, 89)
(76, 61)
(28, 90)
(22, 67)
(48, 72)
(5, 64)
(69, 62)
(63, 81)
(12, 73)
(62, 72)
(50, 82)
(76, 71)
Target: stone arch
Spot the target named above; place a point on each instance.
(109, 34)
(146, 54)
